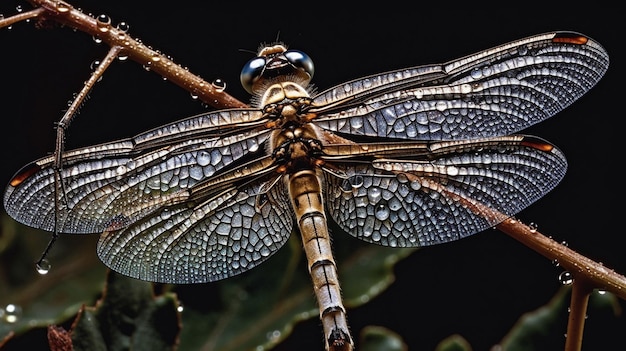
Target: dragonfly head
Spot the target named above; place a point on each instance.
(275, 64)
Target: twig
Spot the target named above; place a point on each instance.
(64, 13)
(587, 275)
(23, 16)
(577, 313)
(582, 268)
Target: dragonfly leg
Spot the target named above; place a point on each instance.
(62, 125)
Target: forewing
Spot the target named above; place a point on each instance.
(100, 185)
(459, 189)
(214, 237)
(495, 92)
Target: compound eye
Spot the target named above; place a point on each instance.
(251, 72)
(300, 60)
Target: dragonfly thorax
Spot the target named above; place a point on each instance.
(286, 104)
(282, 92)
(296, 148)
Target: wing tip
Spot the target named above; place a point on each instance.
(570, 38)
(23, 174)
(537, 143)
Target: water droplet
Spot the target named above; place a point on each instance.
(103, 22)
(476, 73)
(533, 227)
(381, 212)
(62, 7)
(180, 308)
(12, 313)
(566, 278)
(43, 266)
(273, 335)
(19, 8)
(601, 292)
(219, 85)
(122, 56)
(374, 194)
(203, 158)
(97, 40)
(356, 181)
(165, 214)
(123, 26)
(555, 262)
(345, 186)
(94, 65)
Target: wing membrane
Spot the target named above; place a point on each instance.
(420, 200)
(129, 178)
(495, 92)
(213, 237)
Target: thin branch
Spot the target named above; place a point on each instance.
(100, 28)
(582, 268)
(23, 16)
(577, 315)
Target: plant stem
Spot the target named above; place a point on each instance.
(64, 13)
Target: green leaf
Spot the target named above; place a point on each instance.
(454, 343)
(260, 308)
(76, 277)
(257, 308)
(536, 330)
(128, 317)
(375, 338)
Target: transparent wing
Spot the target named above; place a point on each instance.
(216, 236)
(495, 92)
(424, 198)
(130, 178)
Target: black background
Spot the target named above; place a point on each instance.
(478, 286)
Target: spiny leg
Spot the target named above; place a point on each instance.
(62, 125)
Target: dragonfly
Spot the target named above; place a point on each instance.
(406, 158)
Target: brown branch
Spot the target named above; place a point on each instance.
(582, 268)
(23, 16)
(65, 14)
(577, 314)
(587, 275)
